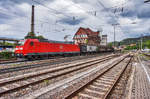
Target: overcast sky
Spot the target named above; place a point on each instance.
(56, 18)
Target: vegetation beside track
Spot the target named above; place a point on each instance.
(6, 55)
(146, 57)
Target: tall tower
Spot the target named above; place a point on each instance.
(32, 20)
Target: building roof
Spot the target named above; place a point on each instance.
(86, 31)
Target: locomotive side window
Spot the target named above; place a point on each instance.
(31, 43)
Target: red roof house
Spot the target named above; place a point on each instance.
(87, 36)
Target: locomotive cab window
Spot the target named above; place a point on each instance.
(21, 42)
(31, 43)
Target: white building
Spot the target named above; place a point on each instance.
(103, 40)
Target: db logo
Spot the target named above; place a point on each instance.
(61, 47)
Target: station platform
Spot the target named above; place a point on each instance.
(141, 80)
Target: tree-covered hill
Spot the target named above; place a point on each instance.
(129, 41)
(136, 41)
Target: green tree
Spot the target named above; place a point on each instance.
(30, 35)
(40, 37)
(131, 47)
(127, 48)
(148, 44)
(7, 44)
(110, 44)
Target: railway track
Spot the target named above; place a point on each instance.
(15, 60)
(43, 64)
(8, 61)
(148, 55)
(24, 60)
(18, 61)
(102, 86)
(12, 84)
(96, 83)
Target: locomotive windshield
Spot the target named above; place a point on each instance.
(21, 42)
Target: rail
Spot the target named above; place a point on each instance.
(63, 71)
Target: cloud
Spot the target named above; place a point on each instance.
(144, 12)
(54, 18)
(71, 21)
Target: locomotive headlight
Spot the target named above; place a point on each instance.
(16, 48)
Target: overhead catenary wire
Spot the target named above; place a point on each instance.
(58, 12)
(118, 6)
(51, 9)
(87, 12)
(115, 18)
(13, 14)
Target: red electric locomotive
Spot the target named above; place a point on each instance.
(35, 48)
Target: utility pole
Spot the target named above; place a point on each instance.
(32, 20)
(114, 32)
(114, 35)
(139, 45)
(141, 42)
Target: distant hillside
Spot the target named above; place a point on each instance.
(129, 41)
(134, 40)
